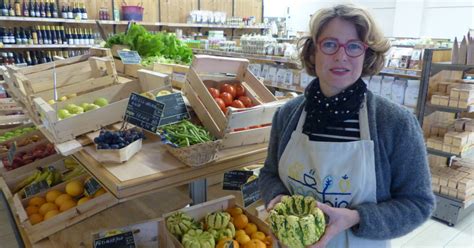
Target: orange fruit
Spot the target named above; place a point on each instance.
(47, 207)
(51, 213)
(251, 228)
(36, 201)
(68, 204)
(227, 242)
(243, 239)
(60, 199)
(258, 235)
(36, 218)
(83, 200)
(240, 221)
(234, 211)
(75, 188)
(52, 195)
(255, 243)
(31, 210)
(268, 240)
(99, 192)
(240, 232)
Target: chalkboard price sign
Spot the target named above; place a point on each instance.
(233, 180)
(175, 108)
(91, 186)
(123, 240)
(144, 112)
(250, 192)
(35, 188)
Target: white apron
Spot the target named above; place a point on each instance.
(339, 174)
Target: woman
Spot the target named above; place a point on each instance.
(359, 154)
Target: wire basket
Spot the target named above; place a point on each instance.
(196, 155)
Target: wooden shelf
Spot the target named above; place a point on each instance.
(465, 154)
(110, 22)
(279, 59)
(469, 109)
(294, 88)
(45, 46)
(402, 73)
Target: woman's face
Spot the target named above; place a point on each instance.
(338, 71)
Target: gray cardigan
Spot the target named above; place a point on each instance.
(404, 195)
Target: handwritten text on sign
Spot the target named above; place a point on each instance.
(144, 112)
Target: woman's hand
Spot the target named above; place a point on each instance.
(273, 202)
(340, 219)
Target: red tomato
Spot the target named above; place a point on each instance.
(239, 90)
(229, 89)
(221, 104)
(227, 97)
(238, 104)
(214, 92)
(246, 101)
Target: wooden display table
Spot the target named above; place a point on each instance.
(155, 169)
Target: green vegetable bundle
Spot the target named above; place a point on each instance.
(153, 47)
(185, 133)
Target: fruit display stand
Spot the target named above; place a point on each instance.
(206, 71)
(72, 76)
(199, 212)
(61, 131)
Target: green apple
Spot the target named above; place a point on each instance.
(62, 99)
(101, 102)
(70, 107)
(51, 102)
(77, 110)
(84, 105)
(62, 113)
(91, 107)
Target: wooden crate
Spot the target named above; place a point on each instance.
(60, 131)
(63, 220)
(198, 212)
(10, 181)
(206, 71)
(75, 75)
(176, 72)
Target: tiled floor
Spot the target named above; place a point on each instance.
(432, 234)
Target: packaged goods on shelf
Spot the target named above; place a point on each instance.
(411, 93)
(376, 84)
(207, 17)
(456, 181)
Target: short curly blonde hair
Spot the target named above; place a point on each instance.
(367, 31)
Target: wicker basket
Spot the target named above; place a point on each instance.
(196, 155)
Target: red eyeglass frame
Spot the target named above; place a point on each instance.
(342, 45)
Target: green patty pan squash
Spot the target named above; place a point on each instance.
(297, 221)
(180, 223)
(198, 239)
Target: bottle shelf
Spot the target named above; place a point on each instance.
(45, 46)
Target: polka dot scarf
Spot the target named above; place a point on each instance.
(325, 111)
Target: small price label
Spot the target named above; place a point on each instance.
(36, 188)
(11, 152)
(250, 192)
(91, 186)
(233, 180)
(122, 240)
(129, 57)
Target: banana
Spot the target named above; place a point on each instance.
(27, 181)
(50, 178)
(43, 176)
(74, 173)
(57, 177)
(70, 163)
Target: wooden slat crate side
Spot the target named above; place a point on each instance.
(258, 115)
(246, 137)
(259, 88)
(48, 66)
(5, 189)
(78, 88)
(201, 91)
(151, 80)
(203, 64)
(201, 112)
(31, 166)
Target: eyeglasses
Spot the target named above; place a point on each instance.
(353, 48)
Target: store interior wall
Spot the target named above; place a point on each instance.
(397, 18)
